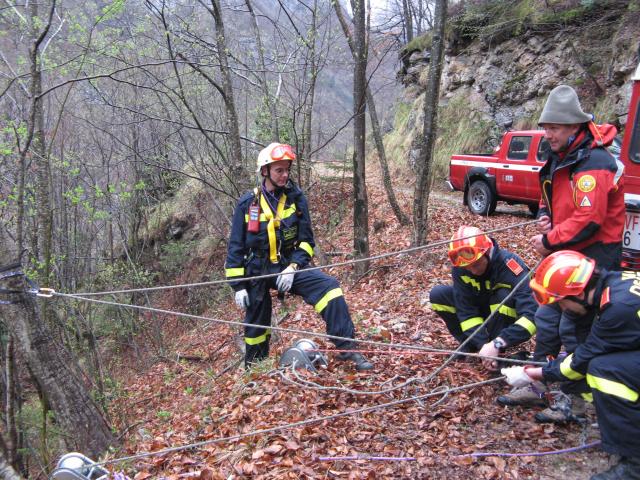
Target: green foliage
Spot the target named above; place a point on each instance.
(262, 124)
(163, 415)
(418, 44)
(174, 255)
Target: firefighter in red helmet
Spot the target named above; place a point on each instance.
(483, 275)
(606, 366)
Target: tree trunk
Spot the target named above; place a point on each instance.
(427, 142)
(408, 20)
(55, 369)
(227, 85)
(270, 102)
(12, 431)
(375, 127)
(360, 204)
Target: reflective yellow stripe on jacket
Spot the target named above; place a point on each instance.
(567, 371)
(326, 298)
(612, 387)
(234, 272)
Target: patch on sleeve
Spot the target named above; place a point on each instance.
(586, 183)
(585, 202)
(604, 299)
(514, 266)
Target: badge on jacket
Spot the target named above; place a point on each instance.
(514, 266)
(586, 183)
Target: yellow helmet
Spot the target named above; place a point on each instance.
(274, 153)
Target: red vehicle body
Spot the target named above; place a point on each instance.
(511, 174)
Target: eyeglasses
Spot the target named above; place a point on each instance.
(281, 151)
(464, 256)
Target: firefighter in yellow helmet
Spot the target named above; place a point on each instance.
(271, 233)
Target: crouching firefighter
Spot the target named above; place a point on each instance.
(607, 363)
(271, 233)
(483, 276)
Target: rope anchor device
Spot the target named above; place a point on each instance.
(303, 354)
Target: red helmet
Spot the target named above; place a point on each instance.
(562, 274)
(468, 245)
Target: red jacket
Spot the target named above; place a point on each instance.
(582, 192)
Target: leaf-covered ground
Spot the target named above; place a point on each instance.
(200, 392)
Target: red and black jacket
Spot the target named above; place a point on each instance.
(582, 193)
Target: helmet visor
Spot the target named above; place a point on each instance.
(464, 256)
(282, 152)
(541, 294)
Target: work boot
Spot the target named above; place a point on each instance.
(527, 396)
(362, 364)
(565, 408)
(628, 468)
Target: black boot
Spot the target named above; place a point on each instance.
(362, 364)
(628, 468)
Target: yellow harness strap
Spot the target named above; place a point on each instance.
(273, 224)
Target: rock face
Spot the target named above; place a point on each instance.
(510, 80)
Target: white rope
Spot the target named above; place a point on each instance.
(294, 330)
(322, 267)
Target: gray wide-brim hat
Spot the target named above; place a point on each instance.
(563, 107)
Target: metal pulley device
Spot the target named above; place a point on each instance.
(303, 354)
(75, 466)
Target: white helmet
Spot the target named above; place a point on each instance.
(274, 153)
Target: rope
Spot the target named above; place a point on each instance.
(322, 267)
(532, 454)
(287, 426)
(295, 330)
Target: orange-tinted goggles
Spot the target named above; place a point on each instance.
(542, 296)
(282, 151)
(464, 256)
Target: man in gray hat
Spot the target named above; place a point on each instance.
(582, 209)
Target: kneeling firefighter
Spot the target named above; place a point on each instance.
(271, 233)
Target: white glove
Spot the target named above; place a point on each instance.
(516, 376)
(242, 298)
(285, 279)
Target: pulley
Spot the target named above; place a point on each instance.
(303, 354)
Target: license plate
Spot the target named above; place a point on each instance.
(631, 237)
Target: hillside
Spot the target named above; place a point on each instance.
(501, 61)
(199, 392)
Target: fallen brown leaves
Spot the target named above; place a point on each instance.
(183, 402)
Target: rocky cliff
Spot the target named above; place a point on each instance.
(498, 75)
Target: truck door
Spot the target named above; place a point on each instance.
(518, 175)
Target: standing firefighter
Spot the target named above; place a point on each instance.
(582, 209)
(271, 233)
(483, 275)
(608, 361)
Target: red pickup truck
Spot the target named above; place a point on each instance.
(511, 174)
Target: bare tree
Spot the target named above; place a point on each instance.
(427, 142)
(375, 127)
(360, 202)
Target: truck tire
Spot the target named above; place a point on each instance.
(533, 208)
(480, 198)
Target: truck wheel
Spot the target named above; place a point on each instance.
(533, 208)
(480, 198)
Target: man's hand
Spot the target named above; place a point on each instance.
(242, 299)
(544, 224)
(285, 280)
(539, 247)
(516, 376)
(489, 350)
